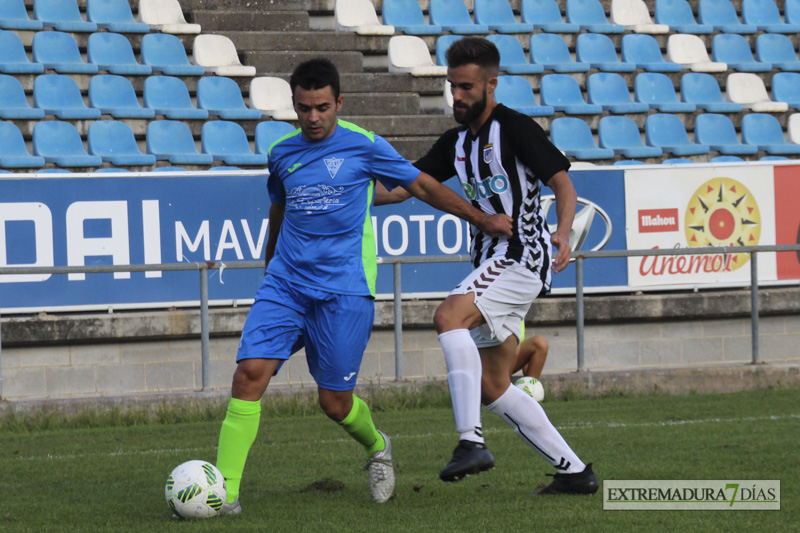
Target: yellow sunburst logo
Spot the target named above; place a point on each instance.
(723, 212)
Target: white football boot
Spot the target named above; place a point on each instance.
(380, 472)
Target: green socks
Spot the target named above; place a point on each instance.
(358, 424)
(236, 436)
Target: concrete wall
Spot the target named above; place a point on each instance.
(159, 352)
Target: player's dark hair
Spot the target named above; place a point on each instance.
(474, 50)
(315, 74)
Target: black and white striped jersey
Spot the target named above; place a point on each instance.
(501, 170)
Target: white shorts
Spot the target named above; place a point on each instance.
(504, 291)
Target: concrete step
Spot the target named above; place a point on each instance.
(270, 63)
(237, 20)
(323, 41)
(384, 104)
(403, 126)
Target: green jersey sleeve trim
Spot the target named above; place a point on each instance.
(368, 251)
(358, 129)
(287, 136)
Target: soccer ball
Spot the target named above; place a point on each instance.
(532, 387)
(195, 489)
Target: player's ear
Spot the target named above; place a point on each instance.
(339, 102)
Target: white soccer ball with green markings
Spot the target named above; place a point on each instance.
(195, 489)
(532, 387)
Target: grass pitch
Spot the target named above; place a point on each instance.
(304, 473)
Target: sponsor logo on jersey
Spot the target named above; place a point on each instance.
(497, 184)
(294, 167)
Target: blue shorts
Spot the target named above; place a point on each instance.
(333, 328)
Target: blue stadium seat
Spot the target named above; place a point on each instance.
(498, 15)
(778, 50)
(227, 142)
(622, 135)
(550, 51)
(678, 15)
(611, 91)
(657, 91)
(791, 11)
(63, 15)
(13, 152)
(515, 92)
(114, 142)
(53, 171)
(165, 53)
(628, 162)
(13, 102)
(644, 52)
(727, 159)
(268, 132)
(702, 90)
(719, 133)
(764, 131)
(60, 95)
(114, 15)
(599, 52)
(545, 15)
(442, 44)
(169, 96)
(14, 16)
(562, 92)
(774, 158)
(786, 88)
(721, 14)
(590, 16)
(222, 97)
(407, 16)
(58, 51)
(114, 95)
(13, 59)
(677, 161)
(113, 52)
(734, 50)
(170, 140)
(512, 56)
(668, 133)
(60, 143)
(110, 170)
(573, 137)
(453, 16)
(765, 15)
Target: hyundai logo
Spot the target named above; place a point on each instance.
(584, 218)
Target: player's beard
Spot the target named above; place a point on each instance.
(465, 114)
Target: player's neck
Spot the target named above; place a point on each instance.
(477, 124)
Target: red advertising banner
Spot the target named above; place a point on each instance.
(787, 219)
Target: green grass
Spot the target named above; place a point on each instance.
(304, 473)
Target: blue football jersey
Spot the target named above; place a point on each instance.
(327, 241)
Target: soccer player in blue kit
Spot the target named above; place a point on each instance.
(320, 262)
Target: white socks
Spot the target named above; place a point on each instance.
(464, 378)
(530, 422)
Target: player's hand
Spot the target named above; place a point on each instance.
(498, 225)
(564, 253)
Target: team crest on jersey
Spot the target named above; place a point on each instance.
(488, 154)
(333, 165)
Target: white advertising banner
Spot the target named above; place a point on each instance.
(699, 207)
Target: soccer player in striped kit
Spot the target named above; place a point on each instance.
(501, 158)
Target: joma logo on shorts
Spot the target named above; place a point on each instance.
(497, 184)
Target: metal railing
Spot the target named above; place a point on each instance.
(579, 257)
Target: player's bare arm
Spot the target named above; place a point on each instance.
(430, 191)
(276, 212)
(566, 199)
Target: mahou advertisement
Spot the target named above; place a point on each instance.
(699, 207)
